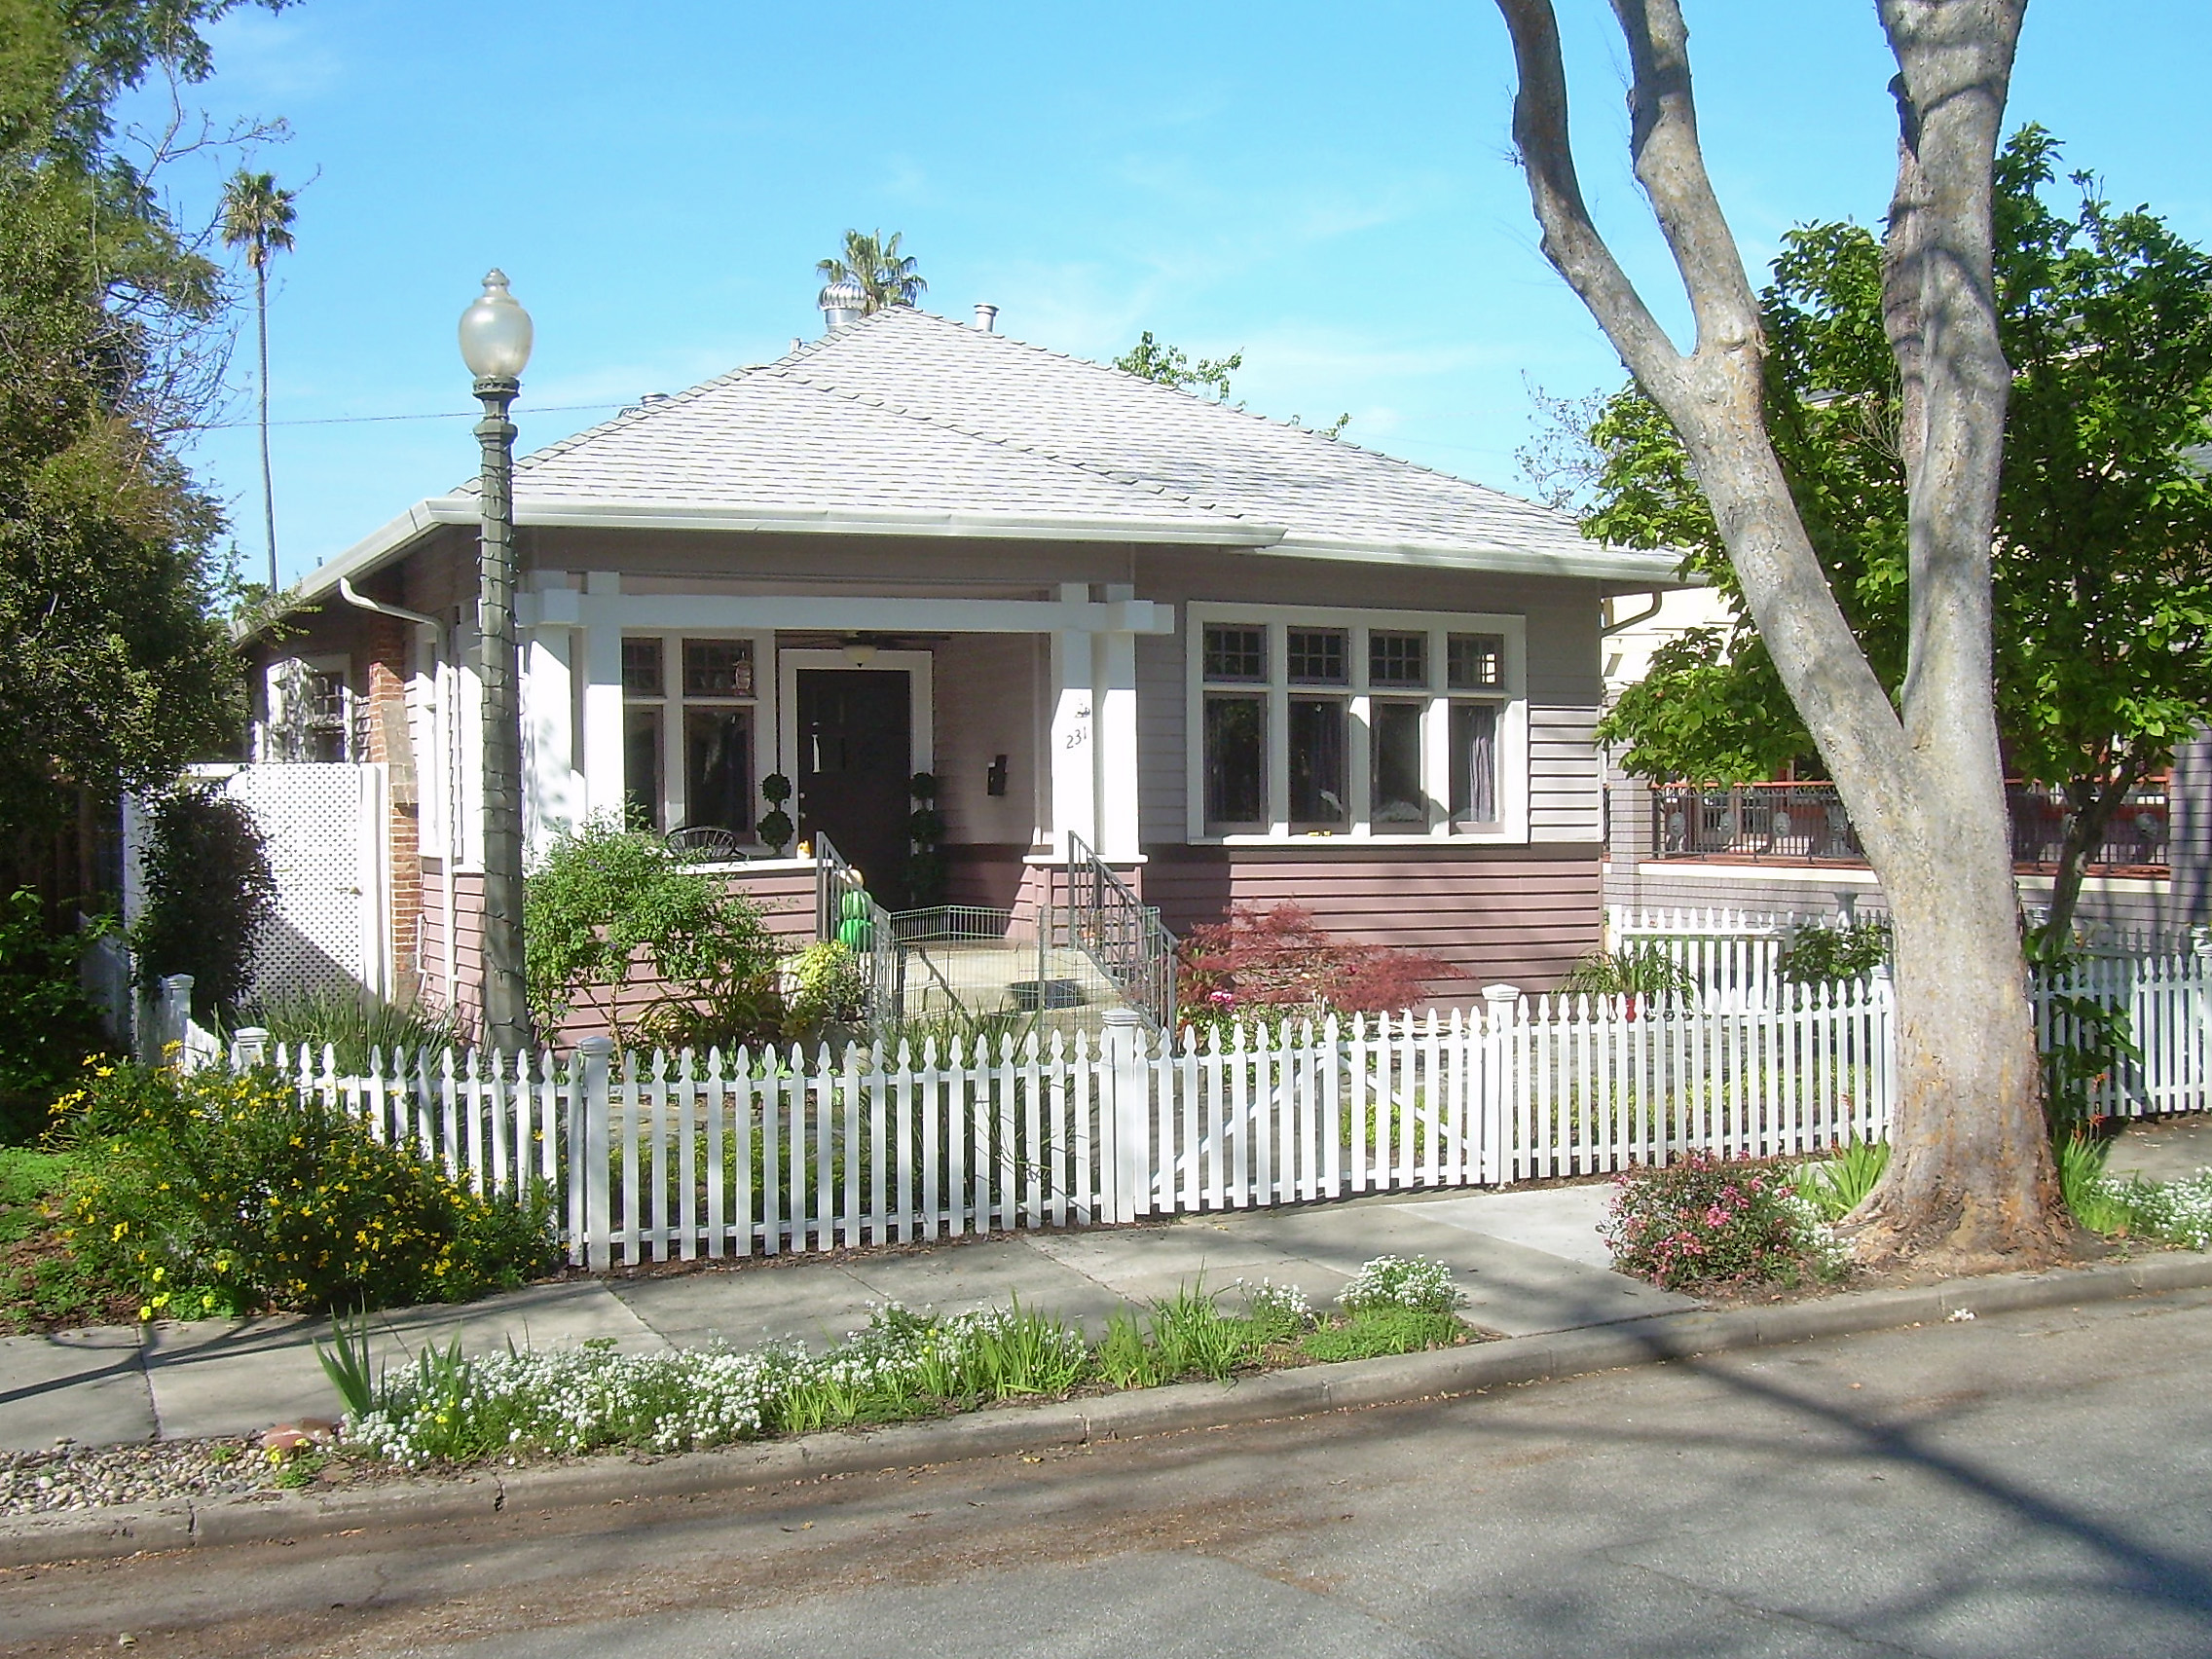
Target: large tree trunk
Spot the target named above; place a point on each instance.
(1970, 1182)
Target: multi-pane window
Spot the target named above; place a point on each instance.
(1386, 729)
(1397, 659)
(688, 736)
(1236, 653)
(1475, 662)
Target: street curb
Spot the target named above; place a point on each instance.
(1306, 1390)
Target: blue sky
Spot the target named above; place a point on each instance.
(1325, 187)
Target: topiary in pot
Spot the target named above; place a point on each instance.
(776, 826)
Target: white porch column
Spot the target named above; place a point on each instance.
(602, 790)
(551, 796)
(1073, 734)
(1114, 670)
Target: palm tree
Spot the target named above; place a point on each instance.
(872, 264)
(258, 217)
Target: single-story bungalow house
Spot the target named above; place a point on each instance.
(1244, 661)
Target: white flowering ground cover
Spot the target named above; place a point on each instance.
(448, 1408)
(2170, 1212)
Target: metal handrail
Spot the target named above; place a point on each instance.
(1122, 934)
(835, 879)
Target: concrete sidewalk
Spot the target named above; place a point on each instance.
(1529, 1262)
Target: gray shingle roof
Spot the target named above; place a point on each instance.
(907, 423)
(765, 437)
(906, 409)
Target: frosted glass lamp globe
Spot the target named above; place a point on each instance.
(495, 332)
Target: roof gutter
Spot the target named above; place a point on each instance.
(346, 591)
(1644, 572)
(1645, 615)
(421, 520)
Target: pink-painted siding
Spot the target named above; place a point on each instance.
(1506, 915)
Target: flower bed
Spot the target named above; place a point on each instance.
(450, 1408)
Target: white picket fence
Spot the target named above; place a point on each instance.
(1734, 957)
(658, 1156)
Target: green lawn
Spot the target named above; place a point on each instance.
(41, 1285)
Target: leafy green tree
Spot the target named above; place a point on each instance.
(117, 667)
(258, 217)
(885, 276)
(2103, 547)
(1156, 360)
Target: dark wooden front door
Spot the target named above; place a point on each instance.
(855, 750)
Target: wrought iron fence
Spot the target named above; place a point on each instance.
(1122, 934)
(1806, 823)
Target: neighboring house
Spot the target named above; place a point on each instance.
(1788, 847)
(1244, 662)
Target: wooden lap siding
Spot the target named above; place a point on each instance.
(1511, 915)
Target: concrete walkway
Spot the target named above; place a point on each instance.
(1529, 1262)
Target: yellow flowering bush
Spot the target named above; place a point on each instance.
(225, 1193)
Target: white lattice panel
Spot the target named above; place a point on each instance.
(322, 821)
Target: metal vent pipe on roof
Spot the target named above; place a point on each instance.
(841, 304)
(986, 315)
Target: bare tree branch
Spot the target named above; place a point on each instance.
(1669, 165)
(1571, 241)
(1714, 398)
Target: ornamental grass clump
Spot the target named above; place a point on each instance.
(225, 1193)
(1712, 1223)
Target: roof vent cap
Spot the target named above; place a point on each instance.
(986, 315)
(842, 302)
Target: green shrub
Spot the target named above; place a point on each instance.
(1714, 1222)
(208, 893)
(827, 986)
(225, 1193)
(49, 1026)
(603, 901)
(1825, 954)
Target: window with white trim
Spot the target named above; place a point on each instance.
(1367, 725)
(691, 722)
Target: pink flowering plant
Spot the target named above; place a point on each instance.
(1714, 1222)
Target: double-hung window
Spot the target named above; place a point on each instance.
(690, 720)
(1369, 724)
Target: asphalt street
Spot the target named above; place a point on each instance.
(2033, 1483)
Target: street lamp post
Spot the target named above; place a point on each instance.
(495, 344)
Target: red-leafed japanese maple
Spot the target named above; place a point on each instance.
(1267, 966)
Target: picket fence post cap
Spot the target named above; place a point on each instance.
(250, 1034)
(1501, 994)
(596, 1046)
(1122, 1017)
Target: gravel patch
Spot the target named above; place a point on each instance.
(85, 1477)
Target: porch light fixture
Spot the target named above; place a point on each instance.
(860, 651)
(495, 344)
